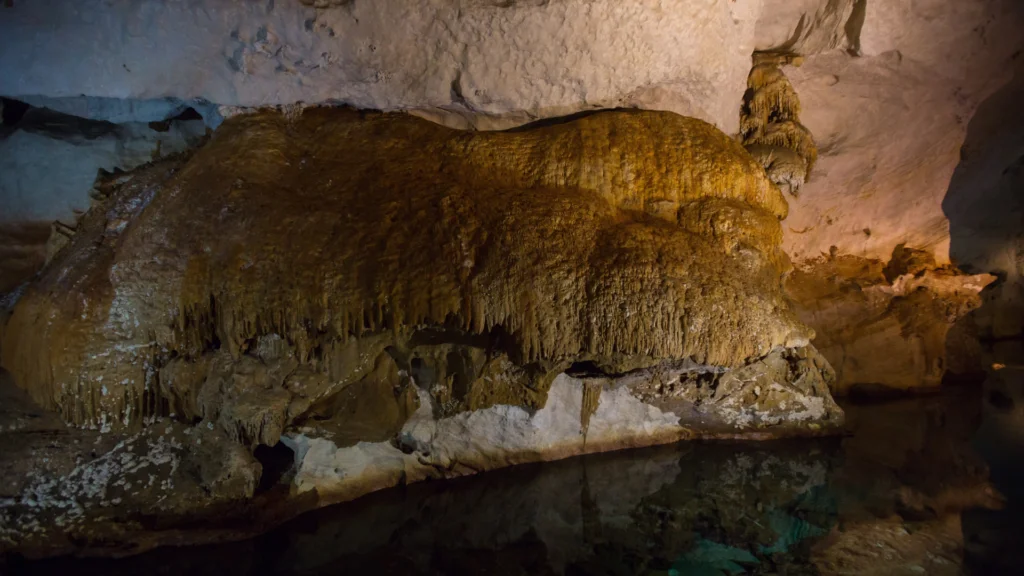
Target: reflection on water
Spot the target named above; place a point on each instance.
(886, 500)
(995, 538)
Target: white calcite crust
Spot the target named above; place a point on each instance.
(503, 435)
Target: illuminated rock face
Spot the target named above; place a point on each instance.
(890, 120)
(893, 327)
(395, 300)
(475, 63)
(770, 125)
(293, 257)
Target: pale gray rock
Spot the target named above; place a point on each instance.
(485, 64)
(809, 26)
(123, 110)
(49, 162)
(890, 125)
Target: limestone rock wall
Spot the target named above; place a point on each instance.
(891, 327)
(886, 91)
(809, 26)
(986, 209)
(887, 86)
(890, 118)
(889, 107)
(50, 160)
(469, 62)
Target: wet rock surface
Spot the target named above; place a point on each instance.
(888, 499)
(322, 304)
(891, 327)
(515, 237)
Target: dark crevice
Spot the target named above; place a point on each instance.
(586, 369)
(62, 126)
(13, 111)
(854, 26)
(276, 460)
(544, 122)
(1000, 400)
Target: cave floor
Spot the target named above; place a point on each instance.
(927, 485)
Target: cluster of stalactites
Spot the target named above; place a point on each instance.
(770, 125)
(623, 238)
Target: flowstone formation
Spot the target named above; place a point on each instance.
(770, 123)
(395, 300)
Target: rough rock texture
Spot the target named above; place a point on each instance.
(887, 94)
(887, 88)
(890, 122)
(472, 62)
(22, 254)
(127, 110)
(49, 161)
(770, 125)
(620, 238)
(62, 486)
(641, 408)
(888, 327)
(395, 300)
(809, 26)
(888, 498)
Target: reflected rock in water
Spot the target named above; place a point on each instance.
(886, 499)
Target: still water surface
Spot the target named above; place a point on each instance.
(907, 492)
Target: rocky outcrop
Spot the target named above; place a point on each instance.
(899, 493)
(785, 393)
(809, 26)
(986, 210)
(395, 300)
(886, 88)
(444, 261)
(890, 327)
(889, 120)
(770, 125)
(887, 96)
(49, 161)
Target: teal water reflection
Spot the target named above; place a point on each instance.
(889, 495)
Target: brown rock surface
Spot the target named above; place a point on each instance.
(378, 300)
(572, 239)
(888, 327)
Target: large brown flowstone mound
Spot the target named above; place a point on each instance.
(614, 237)
(392, 300)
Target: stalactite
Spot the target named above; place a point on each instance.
(623, 238)
(770, 125)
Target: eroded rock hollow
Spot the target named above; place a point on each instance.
(396, 300)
